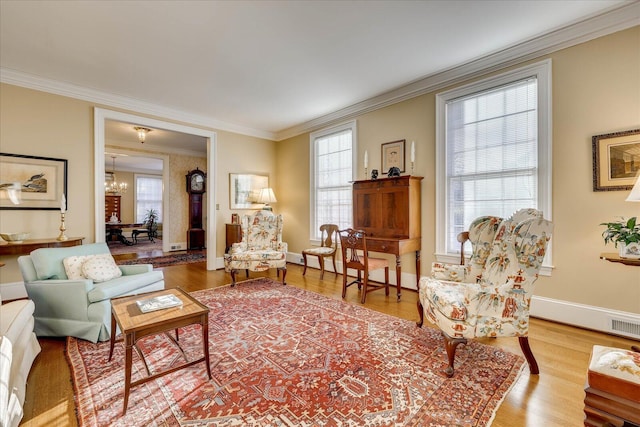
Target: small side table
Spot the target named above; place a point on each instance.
(614, 257)
(134, 325)
(234, 235)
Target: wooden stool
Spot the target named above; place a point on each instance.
(612, 393)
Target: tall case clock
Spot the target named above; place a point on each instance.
(196, 186)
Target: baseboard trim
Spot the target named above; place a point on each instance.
(587, 316)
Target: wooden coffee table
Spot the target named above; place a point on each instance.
(135, 324)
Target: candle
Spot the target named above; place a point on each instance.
(366, 159)
(413, 151)
(63, 204)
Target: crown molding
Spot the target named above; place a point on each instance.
(611, 21)
(614, 20)
(42, 84)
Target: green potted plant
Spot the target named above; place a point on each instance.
(626, 233)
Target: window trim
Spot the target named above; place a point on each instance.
(351, 125)
(542, 71)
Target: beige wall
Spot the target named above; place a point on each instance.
(596, 90)
(41, 124)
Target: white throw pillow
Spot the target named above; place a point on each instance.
(73, 266)
(101, 268)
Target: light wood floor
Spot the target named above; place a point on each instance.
(553, 398)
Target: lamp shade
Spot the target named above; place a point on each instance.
(266, 196)
(12, 191)
(634, 196)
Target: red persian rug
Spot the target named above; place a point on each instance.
(283, 356)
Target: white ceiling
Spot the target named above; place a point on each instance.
(262, 67)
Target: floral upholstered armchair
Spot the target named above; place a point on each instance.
(491, 294)
(261, 247)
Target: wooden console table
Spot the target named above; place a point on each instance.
(29, 245)
(614, 257)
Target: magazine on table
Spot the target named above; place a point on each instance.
(158, 303)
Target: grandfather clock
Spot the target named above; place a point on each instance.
(195, 188)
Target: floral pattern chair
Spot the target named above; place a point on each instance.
(261, 247)
(491, 294)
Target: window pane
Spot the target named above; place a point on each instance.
(148, 196)
(491, 148)
(333, 172)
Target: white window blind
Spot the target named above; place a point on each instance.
(332, 173)
(493, 150)
(148, 196)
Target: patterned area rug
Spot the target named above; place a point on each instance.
(143, 245)
(283, 356)
(167, 260)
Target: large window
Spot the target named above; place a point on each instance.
(148, 196)
(493, 148)
(332, 165)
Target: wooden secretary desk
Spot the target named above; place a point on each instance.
(388, 210)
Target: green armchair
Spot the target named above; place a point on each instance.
(80, 307)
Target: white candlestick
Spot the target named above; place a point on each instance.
(63, 204)
(366, 159)
(413, 151)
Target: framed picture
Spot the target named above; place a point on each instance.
(244, 190)
(393, 155)
(42, 182)
(616, 160)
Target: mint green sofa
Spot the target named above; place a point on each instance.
(79, 308)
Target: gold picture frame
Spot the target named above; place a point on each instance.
(393, 155)
(244, 190)
(616, 160)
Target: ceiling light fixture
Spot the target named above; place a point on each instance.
(113, 186)
(142, 133)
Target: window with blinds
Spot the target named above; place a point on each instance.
(492, 150)
(148, 196)
(331, 175)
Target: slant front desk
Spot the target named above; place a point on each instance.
(388, 210)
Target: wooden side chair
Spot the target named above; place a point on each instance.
(355, 256)
(327, 249)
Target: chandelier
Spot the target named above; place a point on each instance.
(142, 133)
(114, 187)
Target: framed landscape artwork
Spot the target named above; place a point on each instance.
(244, 190)
(41, 180)
(616, 160)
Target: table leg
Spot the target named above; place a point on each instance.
(112, 338)
(205, 341)
(128, 357)
(398, 275)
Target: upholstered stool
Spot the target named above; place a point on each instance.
(613, 388)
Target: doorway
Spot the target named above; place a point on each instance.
(101, 116)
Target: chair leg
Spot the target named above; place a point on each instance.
(450, 344)
(284, 273)
(386, 281)
(233, 278)
(335, 269)
(528, 354)
(304, 257)
(344, 281)
(421, 314)
(321, 261)
(365, 282)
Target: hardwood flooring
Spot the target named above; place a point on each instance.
(553, 398)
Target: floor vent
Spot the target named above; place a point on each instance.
(625, 327)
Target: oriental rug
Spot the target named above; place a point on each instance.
(143, 245)
(168, 260)
(283, 356)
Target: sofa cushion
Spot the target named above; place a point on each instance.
(123, 285)
(101, 268)
(48, 262)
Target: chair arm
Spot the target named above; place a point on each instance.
(448, 272)
(55, 297)
(130, 270)
(282, 247)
